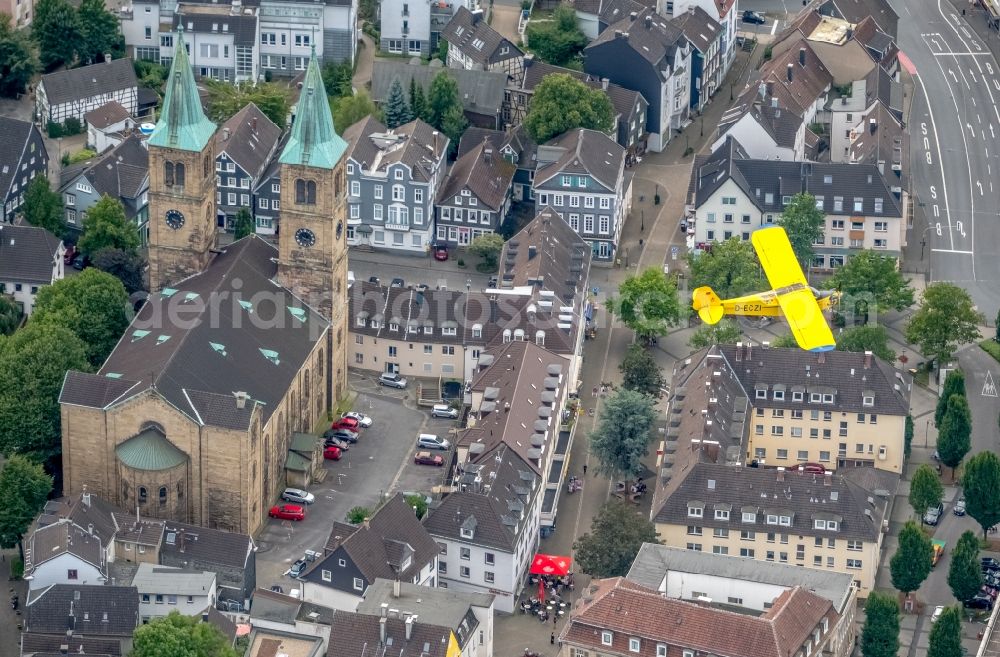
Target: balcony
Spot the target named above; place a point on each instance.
(397, 224)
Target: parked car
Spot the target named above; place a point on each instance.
(298, 496)
(990, 564)
(959, 509)
(933, 515)
(80, 262)
(426, 458)
(397, 282)
(373, 279)
(430, 441)
(492, 282)
(812, 468)
(343, 434)
(287, 512)
(331, 453)
(364, 420)
(69, 255)
(298, 568)
(392, 380)
(445, 411)
(440, 253)
(422, 287)
(346, 423)
(754, 17)
(979, 602)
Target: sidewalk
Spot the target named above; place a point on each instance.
(364, 61)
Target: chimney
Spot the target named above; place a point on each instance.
(71, 623)
(477, 16)
(802, 56)
(381, 630)
(85, 498)
(691, 9)
(827, 478)
(788, 73)
(409, 626)
(366, 524)
(532, 251)
(241, 396)
(488, 155)
(225, 134)
(395, 588)
(749, 344)
(90, 528)
(253, 124)
(384, 609)
(107, 58)
(633, 15)
(872, 125)
(604, 83)
(821, 358)
(868, 360)
(63, 648)
(649, 21)
(781, 474)
(619, 34)
(739, 351)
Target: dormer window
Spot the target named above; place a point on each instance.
(465, 533)
(772, 519)
(695, 512)
(722, 514)
(779, 395)
(761, 393)
(749, 516)
(606, 638)
(796, 396)
(827, 399)
(815, 398)
(477, 330)
(394, 327)
(868, 401)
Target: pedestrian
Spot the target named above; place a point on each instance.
(584, 469)
(552, 639)
(555, 617)
(595, 391)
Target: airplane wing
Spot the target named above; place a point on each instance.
(777, 258)
(798, 304)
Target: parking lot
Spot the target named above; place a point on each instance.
(415, 270)
(379, 464)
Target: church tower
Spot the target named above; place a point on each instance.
(181, 180)
(312, 247)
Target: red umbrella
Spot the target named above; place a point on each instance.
(548, 564)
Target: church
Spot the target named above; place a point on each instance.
(236, 348)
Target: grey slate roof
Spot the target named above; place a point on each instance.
(122, 172)
(781, 124)
(251, 139)
(150, 578)
(473, 36)
(805, 497)
(585, 152)
(561, 260)
(14, 138)
(358, 633)
(488, 510)
(487, 176)
(700, 29)
(415, 144)
(447, 608)
(242, 27)
(654, 43)
(757, 178)
(207, 547)
(86, 81)
(474, 136)
(887, 142)
(106, 115)
(49, 610)
(481, 91)
(281, 608)
(27, 254)
(856, 11)
(63, 537)
(47, 644)
(186, 369)
(653, 562)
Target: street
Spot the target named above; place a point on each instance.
(955, 132)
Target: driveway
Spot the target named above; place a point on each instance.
(416, 269)
(368, 471)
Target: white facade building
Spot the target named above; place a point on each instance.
(30, 258)
(163, 589)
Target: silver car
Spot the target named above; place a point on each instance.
(445, 411)
(392, 380)
(298, 496)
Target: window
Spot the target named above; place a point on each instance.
(71, 574)
(606, 638)
(359, 584)
(661, 650)
(748, 535)
(148, 33)
(777, 431)
(720, 549)
(465, 553)
(854, 546)
(694, 547)
(749, 516)
(854, 564)
(694, 530)
(305, 191)
(796, 432)
(858, 204)
(695, 511)
(633, 644)
(489, 558)
(327, 576)
(802, 455)
(783, 453)
(747, 552)
(722, 514)
(761, 393)
(488, 576)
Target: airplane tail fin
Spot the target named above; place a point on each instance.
(708, 305)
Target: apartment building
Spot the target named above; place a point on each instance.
(164, 589)
(475, 197)
(30, 259)
(72, 93)
(798, 79)
(732, 195)
(413, 27)
(852, 116)
(393, 177)
(765, 129)
(581, 175)
(473, 44)
(122, 173)
(289, 29)
(244, 145)
(708, 63)
(724, 12)
(620, 618)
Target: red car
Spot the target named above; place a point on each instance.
(812, 468)
(426, 458)
(332, 453)
(440, 253)
(348, 423)
(287, 512)
(69, 255)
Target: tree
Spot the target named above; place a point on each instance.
(955, 432)
(880, 635)
(106, 226)
(418, 503)
(965, 576)
(10, 315)
(954, 384)
(397, 110)
(127, 266)
(151, 75)
(18, 63)
(615, 537)
(911, 564)
(946, 634)
(338, 79)
(418, 101)
(24, 487)
(357, 515)
(622, 436)
(93, 305)
(803, 222)
(561, 103)
(558, 41)
(33, 364)
(640, 371)
(441, 97)
(226, 99)
(487, 247)
(176, 634)
(871, 277)
(99, 33)
(244, 225)
(647, 303)
(730, 268)
(43, 207)
(981, 486)
(453, 124)
(867, 338)
(907, 436)
(926, 491)
(350, 109)
(786, 341)
(946, 319)
(56, 30)
(727, 331)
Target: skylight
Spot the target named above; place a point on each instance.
(247, 306)
(160, 339)
(218, 348)
(113, 375)
(478, 44)
(270, 355)
(168, 292)
(298, 313)
(190, 296)
(139, 334)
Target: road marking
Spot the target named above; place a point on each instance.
(979, 118)
(952, 251)
(937, 146)
(774, 28)
(969, 126)
(989, 388)
(953, 76)
(980, 186)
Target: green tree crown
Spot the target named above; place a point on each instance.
(880, 635)
(911, 563)
(981, 485)
(946, 319)
(803, 222)
(562, 103)
(615, 537)
(623, 433)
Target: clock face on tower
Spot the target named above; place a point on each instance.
(175, 219)
(305, 237)
(340, 228)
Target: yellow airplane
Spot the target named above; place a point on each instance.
(790, 295)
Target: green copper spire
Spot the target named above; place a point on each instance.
(314, 141)
(183, 124)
